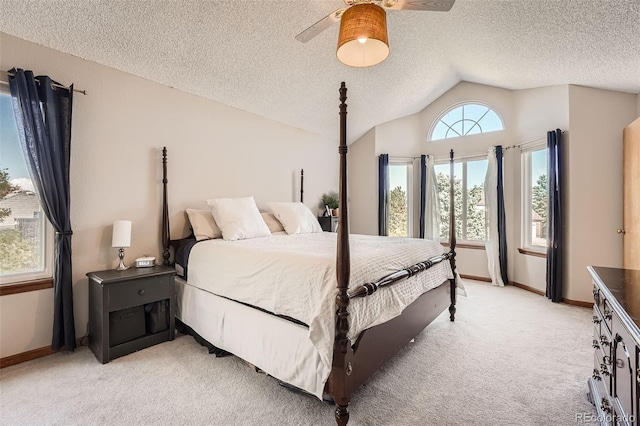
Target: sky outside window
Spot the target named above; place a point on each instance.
(10, 151)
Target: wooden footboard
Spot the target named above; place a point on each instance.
(377, 344)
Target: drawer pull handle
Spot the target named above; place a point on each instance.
(596, 320)
(638, 379)
(604, 404)
(603, 370)
(595, 344)
(604, 341)
(141, 292)
(596, 375)
(607, 314)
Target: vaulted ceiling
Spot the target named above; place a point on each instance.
(243, 53)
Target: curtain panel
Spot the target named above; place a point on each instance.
(496, 245)
(383, 194)
(423, 193)
(491, 211)
(43, 118)
(555, 241)
(502, 220)
(430, 219)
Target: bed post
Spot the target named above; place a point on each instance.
(302, 185)
(452, 238)
(165, 210)
(339, 370)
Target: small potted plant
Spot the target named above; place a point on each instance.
(329, 201)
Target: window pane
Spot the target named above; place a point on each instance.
(474, 112)
(491, 122)
(468, 119)
(21, 219)
(470, 223)
(475, 220)
(440, 131)
(398, 202)
(452, 116)
(539, 198)
(442, 178)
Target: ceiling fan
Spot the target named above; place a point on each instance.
(363, 41)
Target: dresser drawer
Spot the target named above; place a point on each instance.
(603, 364)
(138, 292)
(624, 375)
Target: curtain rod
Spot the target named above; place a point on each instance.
(55, 85)
(400, 157)
(529, 142)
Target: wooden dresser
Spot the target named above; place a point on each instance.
(614, 387)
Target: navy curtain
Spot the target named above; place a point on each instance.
(502, 222)
(555, 244)
(383, 194)
(423, 192)
(43, 116)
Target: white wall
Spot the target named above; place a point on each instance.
(596, 120)
(118, 131)
(536, 112)
(362, 169)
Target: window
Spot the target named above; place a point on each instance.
(469, 199)
(465, 120)
(534, 199)
(26, 237)
(400, 206)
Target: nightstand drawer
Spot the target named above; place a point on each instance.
(138, 292)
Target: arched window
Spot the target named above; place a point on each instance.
(464, 120)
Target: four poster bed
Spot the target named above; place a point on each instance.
(272, 301)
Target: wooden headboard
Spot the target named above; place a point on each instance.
(167, 242)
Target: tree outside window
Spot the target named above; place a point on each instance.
(468, 196)
(25, 235)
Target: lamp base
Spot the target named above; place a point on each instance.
(121, 265)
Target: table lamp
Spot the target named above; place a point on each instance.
(121, 238)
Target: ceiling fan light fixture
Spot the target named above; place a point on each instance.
(363, 40)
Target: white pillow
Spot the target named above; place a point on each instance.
(296, 218)
(238, 218)
(203, 225)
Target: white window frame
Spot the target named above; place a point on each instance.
(463, 231)
(458, 105)
(47, 246)
(409, 165)
(527, 197)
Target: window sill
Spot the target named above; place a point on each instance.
(532, 253)
(26, 286)
(466, 246)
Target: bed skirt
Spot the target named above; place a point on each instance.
(279, 347)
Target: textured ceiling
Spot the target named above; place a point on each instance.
(243, 53)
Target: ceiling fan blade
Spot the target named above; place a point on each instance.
(320, 26)
(431, 5)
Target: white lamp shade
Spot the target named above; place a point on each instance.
(121, 233)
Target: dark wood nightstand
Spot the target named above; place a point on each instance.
(130, 310)
(329, 223)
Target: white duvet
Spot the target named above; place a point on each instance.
(295, 275)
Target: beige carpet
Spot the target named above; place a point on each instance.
(511, 358)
